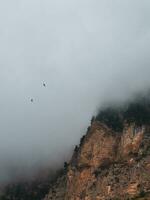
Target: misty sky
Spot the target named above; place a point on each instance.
(86, 51)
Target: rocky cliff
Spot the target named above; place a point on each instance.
(112, 161)
(109, 163)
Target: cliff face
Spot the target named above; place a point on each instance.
(107, 165)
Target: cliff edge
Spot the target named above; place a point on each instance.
(109, 163)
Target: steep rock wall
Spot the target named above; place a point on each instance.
(108, 165)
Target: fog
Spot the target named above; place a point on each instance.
(87, 52)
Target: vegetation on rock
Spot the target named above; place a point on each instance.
(136, 111)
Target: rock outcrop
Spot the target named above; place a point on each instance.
(112, 161)
(108, 165)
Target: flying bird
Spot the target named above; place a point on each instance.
(44, 84)
(32, 100)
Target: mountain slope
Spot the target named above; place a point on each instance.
(112, 162)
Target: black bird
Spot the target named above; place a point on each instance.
(32, 100)
(44, 84)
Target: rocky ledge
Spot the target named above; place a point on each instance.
(107, 165)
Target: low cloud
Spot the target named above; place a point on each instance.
(87, 53)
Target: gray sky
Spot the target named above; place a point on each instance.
(86, 51)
